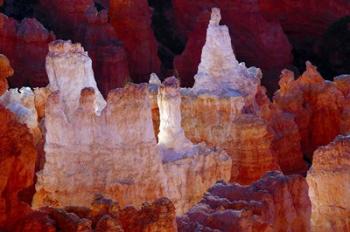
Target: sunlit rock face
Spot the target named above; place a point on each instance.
(69, 69)
(316, 104)
(17, 161)
(329, 182)
(219, 72)
(89, 153)
(190, 168)
(104, 215)
(90, 149)
(79, 20)
(274, 203)
(132, 22)
(256, 47)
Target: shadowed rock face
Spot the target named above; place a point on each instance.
(25, 43)
(17, 161)
(101, 216)
(275, 202)
(316, 104)
(329, 180)
(132, 22)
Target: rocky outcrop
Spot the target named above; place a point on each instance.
(256, 47)
(274, 203)
(316, 104)
(91, 147)
(80, 21)
(5, 72)
(329, 179)
(17, 161)
(190, 168)
(103, 215)
(132, 23)
(25, 44)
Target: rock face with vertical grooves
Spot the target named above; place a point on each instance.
(329, 183)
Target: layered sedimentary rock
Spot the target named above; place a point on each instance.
(274, 203)
(132, 23)
(5, 72)
(190, 169)
(329, 182)
(80, 21)
(316, 104)
(213, 111)
(17, 161)
(91, 149)
(103, 215)
(267, 47)
(25, 44)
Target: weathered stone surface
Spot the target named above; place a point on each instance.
(132, 23)
(190, 168)
(274, 203)
(25, 44)
(91, 149)
(316, 105)
(329, 179)
(267, 48)
(17, 161)
(80, 21)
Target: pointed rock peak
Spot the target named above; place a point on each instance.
(154, 79)
(286, 79)
(311, 75)
(215, 17)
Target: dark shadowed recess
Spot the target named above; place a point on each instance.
(170, 43)
(330, 53)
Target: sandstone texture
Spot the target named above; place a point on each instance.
(274, 203)
(25, 45)
(132, 23)
(316, 104)
(17, 161)
(91, 147)
(329, 179)
(5, 72)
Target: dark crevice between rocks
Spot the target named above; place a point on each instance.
(330, 52)
(19, 9)
(170, 43)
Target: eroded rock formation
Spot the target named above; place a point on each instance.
(81, 22)
(190, 168)
(316, 104)
(271, 53)
(17, 161)
(329, 182)
(91, 149)
(132, 23)
(103, 215)
(274, 203)
(25, 44)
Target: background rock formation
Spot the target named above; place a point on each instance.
(316, 104)
(132, 23)
(25, 44)
(17, 161)
(274, 203)
(329, 180)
